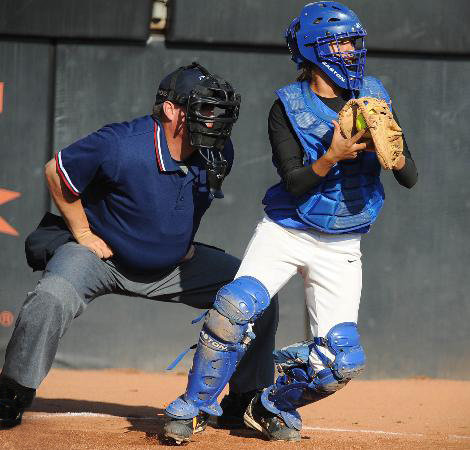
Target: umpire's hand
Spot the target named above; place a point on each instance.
(95, 244)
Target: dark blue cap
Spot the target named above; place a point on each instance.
(177, 85)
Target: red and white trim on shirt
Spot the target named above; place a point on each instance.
(158, 146)
(65, 176)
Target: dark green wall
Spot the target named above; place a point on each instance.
(414, 310)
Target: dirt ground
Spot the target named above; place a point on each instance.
(124, 409)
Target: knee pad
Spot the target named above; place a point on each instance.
(237, 305)
(301, 385)
(243, 300)
(343, 341)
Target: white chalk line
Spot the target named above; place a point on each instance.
(82, 414)
(456, 436)
(346, 430)
(304, 428)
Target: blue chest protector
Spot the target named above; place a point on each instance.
(351, 195)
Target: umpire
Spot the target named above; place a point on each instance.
(132, 196)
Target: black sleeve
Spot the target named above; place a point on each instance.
(288, 154)
(408, 175)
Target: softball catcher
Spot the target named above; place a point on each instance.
(328, 197)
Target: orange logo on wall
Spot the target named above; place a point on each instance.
(5, 197)
(6, 319)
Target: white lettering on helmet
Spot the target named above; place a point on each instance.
(331, 69)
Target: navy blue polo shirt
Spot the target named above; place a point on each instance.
(136, 197)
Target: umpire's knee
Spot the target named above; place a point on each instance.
(54, 298)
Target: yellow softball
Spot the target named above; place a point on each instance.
(360, 122)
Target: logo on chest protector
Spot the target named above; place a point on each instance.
(213, 343)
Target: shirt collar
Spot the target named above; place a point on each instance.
(164, 160)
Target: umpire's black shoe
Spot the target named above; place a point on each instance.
(179, 431)
(259, 418)
(234, 406)
(14, 399)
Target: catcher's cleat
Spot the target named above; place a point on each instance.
(179, 431)
(234, 406)
(259, 418)
(14, 399)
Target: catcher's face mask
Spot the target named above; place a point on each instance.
(212, 107)
(316, 36)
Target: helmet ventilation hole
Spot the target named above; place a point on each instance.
(334, 19)
(317, 21)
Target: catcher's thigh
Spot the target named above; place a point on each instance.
(330, 265)
(333, 280)
(333, 284)
(272, 256)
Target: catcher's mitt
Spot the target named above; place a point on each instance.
(375, 115)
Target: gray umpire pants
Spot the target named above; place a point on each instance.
(75, 276)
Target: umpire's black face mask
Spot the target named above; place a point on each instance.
(212, 107)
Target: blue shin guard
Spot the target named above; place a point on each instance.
(213, 364)
(301, 385)
(222, 343)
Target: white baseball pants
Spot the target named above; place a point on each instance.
(330, 265)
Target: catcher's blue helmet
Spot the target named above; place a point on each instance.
(320, 24)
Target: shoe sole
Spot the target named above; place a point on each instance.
(10, 423)
(175, 439)
(180, 440)
(199, 429)
(250, 422)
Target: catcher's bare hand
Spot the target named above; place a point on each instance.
(341, 148)
(95, 244)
